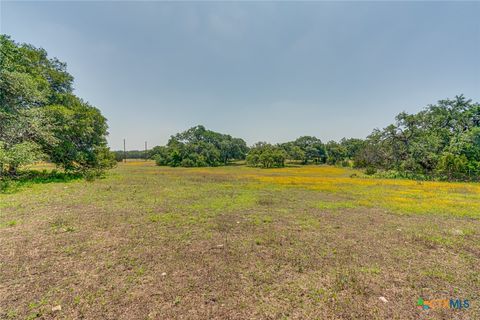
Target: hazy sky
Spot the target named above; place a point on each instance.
(256, 70)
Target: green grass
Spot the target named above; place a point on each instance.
(335, 205)
(150, 242)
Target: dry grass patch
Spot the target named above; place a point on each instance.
(150, 242)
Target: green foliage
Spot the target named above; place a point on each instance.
(370, 171)
(20, 90)
(17, 155)
(352, 146)
(23, 132)
(296, 153)
(80, 130)
(199, 147)
(336, 152)
(453, 166)
(41, 118)
(134, 154)
(313, 149)
(442, 141)
(343, 152)
(28, 77)
(265, 155)
(306, 149)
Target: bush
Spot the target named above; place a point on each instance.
(345, 163)
(4, 184)
(93, 174)
(370, 171)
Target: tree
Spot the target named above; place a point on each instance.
(352, 146)
(40, 117)
(162, 156)
(265, 155)
(17, 155)
(80, 130)
(443, 141)
(452, 166)
(232, 148)
(199, 147)
(336, 152)
(313, 149)
(25, 129)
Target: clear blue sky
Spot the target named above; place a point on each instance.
(256, 70)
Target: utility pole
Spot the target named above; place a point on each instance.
(124, 152)
(145, 150)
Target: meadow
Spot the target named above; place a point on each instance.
(302, 242)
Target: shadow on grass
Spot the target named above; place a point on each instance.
(29, 177)
(293, 165)
(235, 164)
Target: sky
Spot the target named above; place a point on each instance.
(262, 71)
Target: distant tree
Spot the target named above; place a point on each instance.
(265, 155)
(160, 154)
(296, 153)
(443, 141)
(199, 147)
(293, 152)
(352, 146)
(232, 148)
(312, 149)
(453, 166)
(134, 154)
(336, 152)
(154, 151)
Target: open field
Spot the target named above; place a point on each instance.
(310, 242)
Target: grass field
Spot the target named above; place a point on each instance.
(310, 242)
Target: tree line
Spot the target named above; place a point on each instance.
(199, 147)
(42, 119)
(120, 155)
(440, 142)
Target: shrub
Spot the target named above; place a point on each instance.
(370, 171)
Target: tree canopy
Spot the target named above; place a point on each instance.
(307, 149)
(41, 118)
(199, 147)
(441, 141)
(265, 155)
